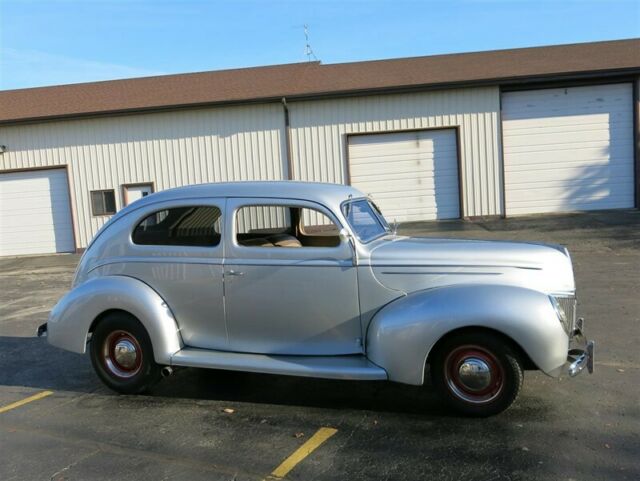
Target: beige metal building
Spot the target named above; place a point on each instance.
(510, 132)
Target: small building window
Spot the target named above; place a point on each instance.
(103, 202)
(181, 226)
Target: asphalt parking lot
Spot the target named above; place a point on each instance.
(214, 425)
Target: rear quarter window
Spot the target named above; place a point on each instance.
(180, 226)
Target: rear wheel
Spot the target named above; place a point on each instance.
(478, 374)
(122, 354)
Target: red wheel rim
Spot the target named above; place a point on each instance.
(474, 374)
(121, 354)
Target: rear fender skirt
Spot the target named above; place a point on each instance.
(402, 334)
(71, 318)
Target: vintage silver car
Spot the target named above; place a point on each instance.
(308, 279)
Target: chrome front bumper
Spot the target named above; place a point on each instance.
(581, 355)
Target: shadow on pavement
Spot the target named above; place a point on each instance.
(31, 362)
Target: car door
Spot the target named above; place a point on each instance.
(177, 249)
(287, 290)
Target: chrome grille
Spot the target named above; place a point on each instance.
(568, 305)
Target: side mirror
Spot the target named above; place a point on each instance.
(346, 236)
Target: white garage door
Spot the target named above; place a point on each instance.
(568, 149)
(412, 176)
(35, 217)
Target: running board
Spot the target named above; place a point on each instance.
(355, 367)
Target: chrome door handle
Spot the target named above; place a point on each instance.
(235, 273)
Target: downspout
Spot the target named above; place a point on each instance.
(636, 139)
(287, 136)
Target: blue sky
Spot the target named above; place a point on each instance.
(57, 42)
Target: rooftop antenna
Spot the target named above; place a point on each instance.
(308, 51)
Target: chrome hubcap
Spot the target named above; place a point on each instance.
(125, 353)
(121, 354)
(474, 374)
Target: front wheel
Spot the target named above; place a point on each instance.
(122, 354)
(478, 374)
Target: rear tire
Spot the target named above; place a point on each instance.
(122, 354)
(477, 373)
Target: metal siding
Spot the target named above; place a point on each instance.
(170, 149)
(319, 129)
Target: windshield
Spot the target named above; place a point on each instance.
(365, 219)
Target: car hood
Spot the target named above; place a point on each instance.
(411, 263)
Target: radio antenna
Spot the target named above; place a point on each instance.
(308, 51)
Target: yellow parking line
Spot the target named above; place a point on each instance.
(24, 401)
(302, 452)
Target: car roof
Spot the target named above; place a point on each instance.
(330, 195)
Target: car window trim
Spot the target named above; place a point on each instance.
(355, 232)
(280, 201)
(143, 212)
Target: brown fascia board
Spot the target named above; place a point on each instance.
(312, 80)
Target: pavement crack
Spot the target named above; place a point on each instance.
(56, 476)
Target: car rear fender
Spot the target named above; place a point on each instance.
(71, 318)
(402, 334)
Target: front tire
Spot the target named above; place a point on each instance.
(122, 354)
(477, 373)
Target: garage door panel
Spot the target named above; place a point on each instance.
(418, 196)
(569, 121)
(597, 203)
(570, 124)
(35, 215)
(566, 171)
(411, 175)
(412, 214)
(382, 151)
(591, 154)
(568, 101)
(569, 191)
(602, 146)
(552, 179)
(408, 174)
(17, 223)
(47, 203)
(378, 167)
(41, 238)
(391, 175)
(551, 140)
(568, 149)
(399, 162)
(405, 182)
(418, 154)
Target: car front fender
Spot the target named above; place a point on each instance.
(402, 334)
(71, 318)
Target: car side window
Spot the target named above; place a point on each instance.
(180, 226)
(284, 226)
(316, 229)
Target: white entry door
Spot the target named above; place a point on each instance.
(568, 149)
(35, 213)
(412, 176)
(136, 191)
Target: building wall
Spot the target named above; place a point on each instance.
(169, 149)
(319, 132)
(249, 142)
